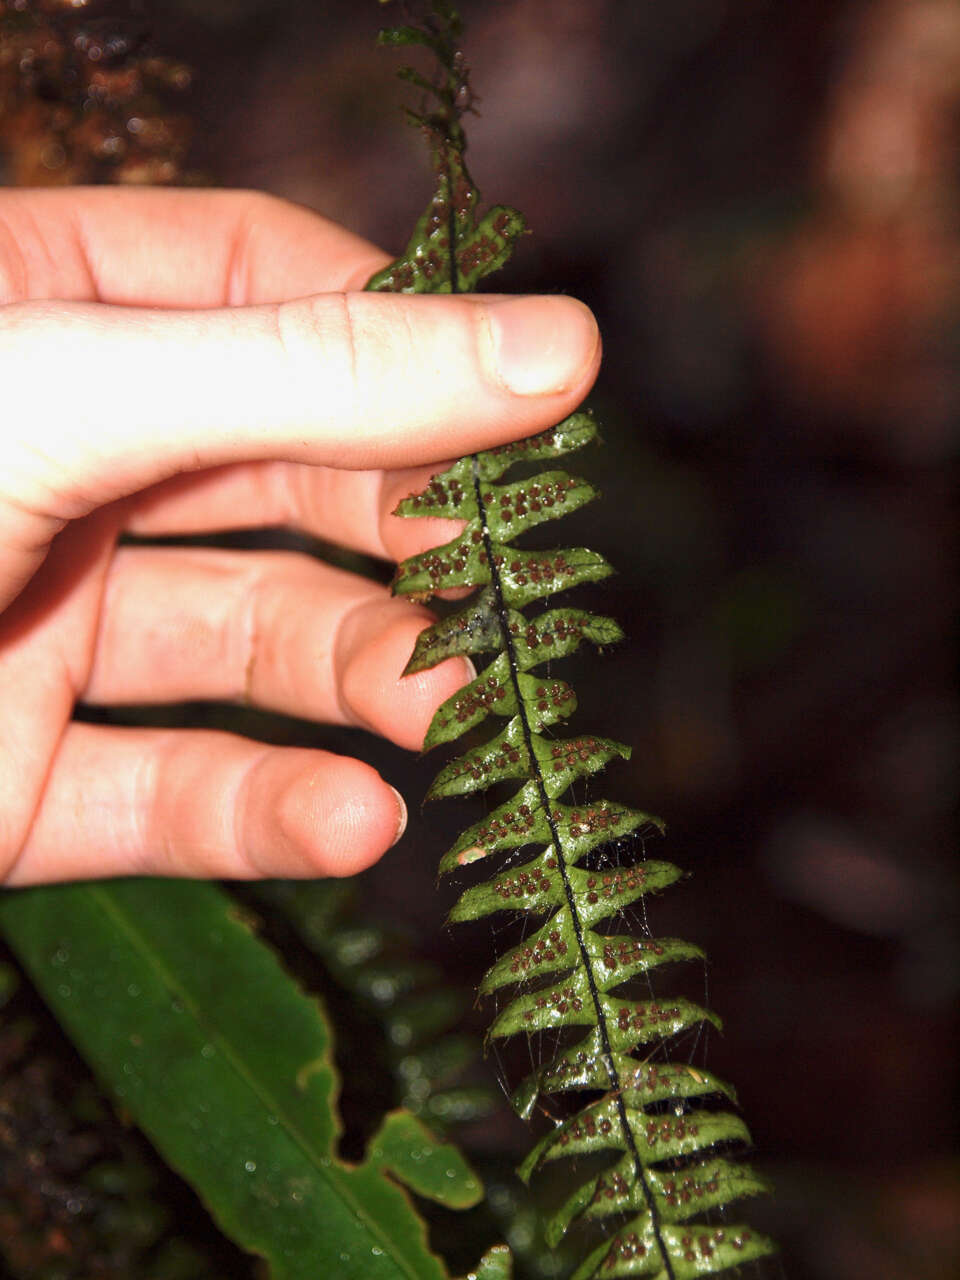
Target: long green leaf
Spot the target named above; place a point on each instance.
(201, 1037)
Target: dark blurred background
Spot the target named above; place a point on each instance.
(761, 202)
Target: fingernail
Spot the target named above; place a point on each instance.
(541, 345)
(402, 818)
(471, 670)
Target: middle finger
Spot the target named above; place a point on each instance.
(351, 508)
(276, 629)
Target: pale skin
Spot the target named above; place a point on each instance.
(177, 362)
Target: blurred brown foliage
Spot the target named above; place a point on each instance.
(859, 300)
(82, 97)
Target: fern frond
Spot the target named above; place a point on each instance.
(662, 1125)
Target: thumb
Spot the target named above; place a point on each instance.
(114, 399)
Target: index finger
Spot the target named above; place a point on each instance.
(172, 248)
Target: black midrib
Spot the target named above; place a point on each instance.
(616, 1087)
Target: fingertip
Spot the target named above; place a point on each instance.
(375, 693)
(423, 692)
(542, 346)
(337, 818)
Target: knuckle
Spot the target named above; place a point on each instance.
(253, 203)
(16, 819)
(22, 778)
(153, 777)
(328, 322)
(41, 256)
(250, 626)
(13, 266)
(250, 211)
(11, 846)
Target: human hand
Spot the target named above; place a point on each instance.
(178, 362)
